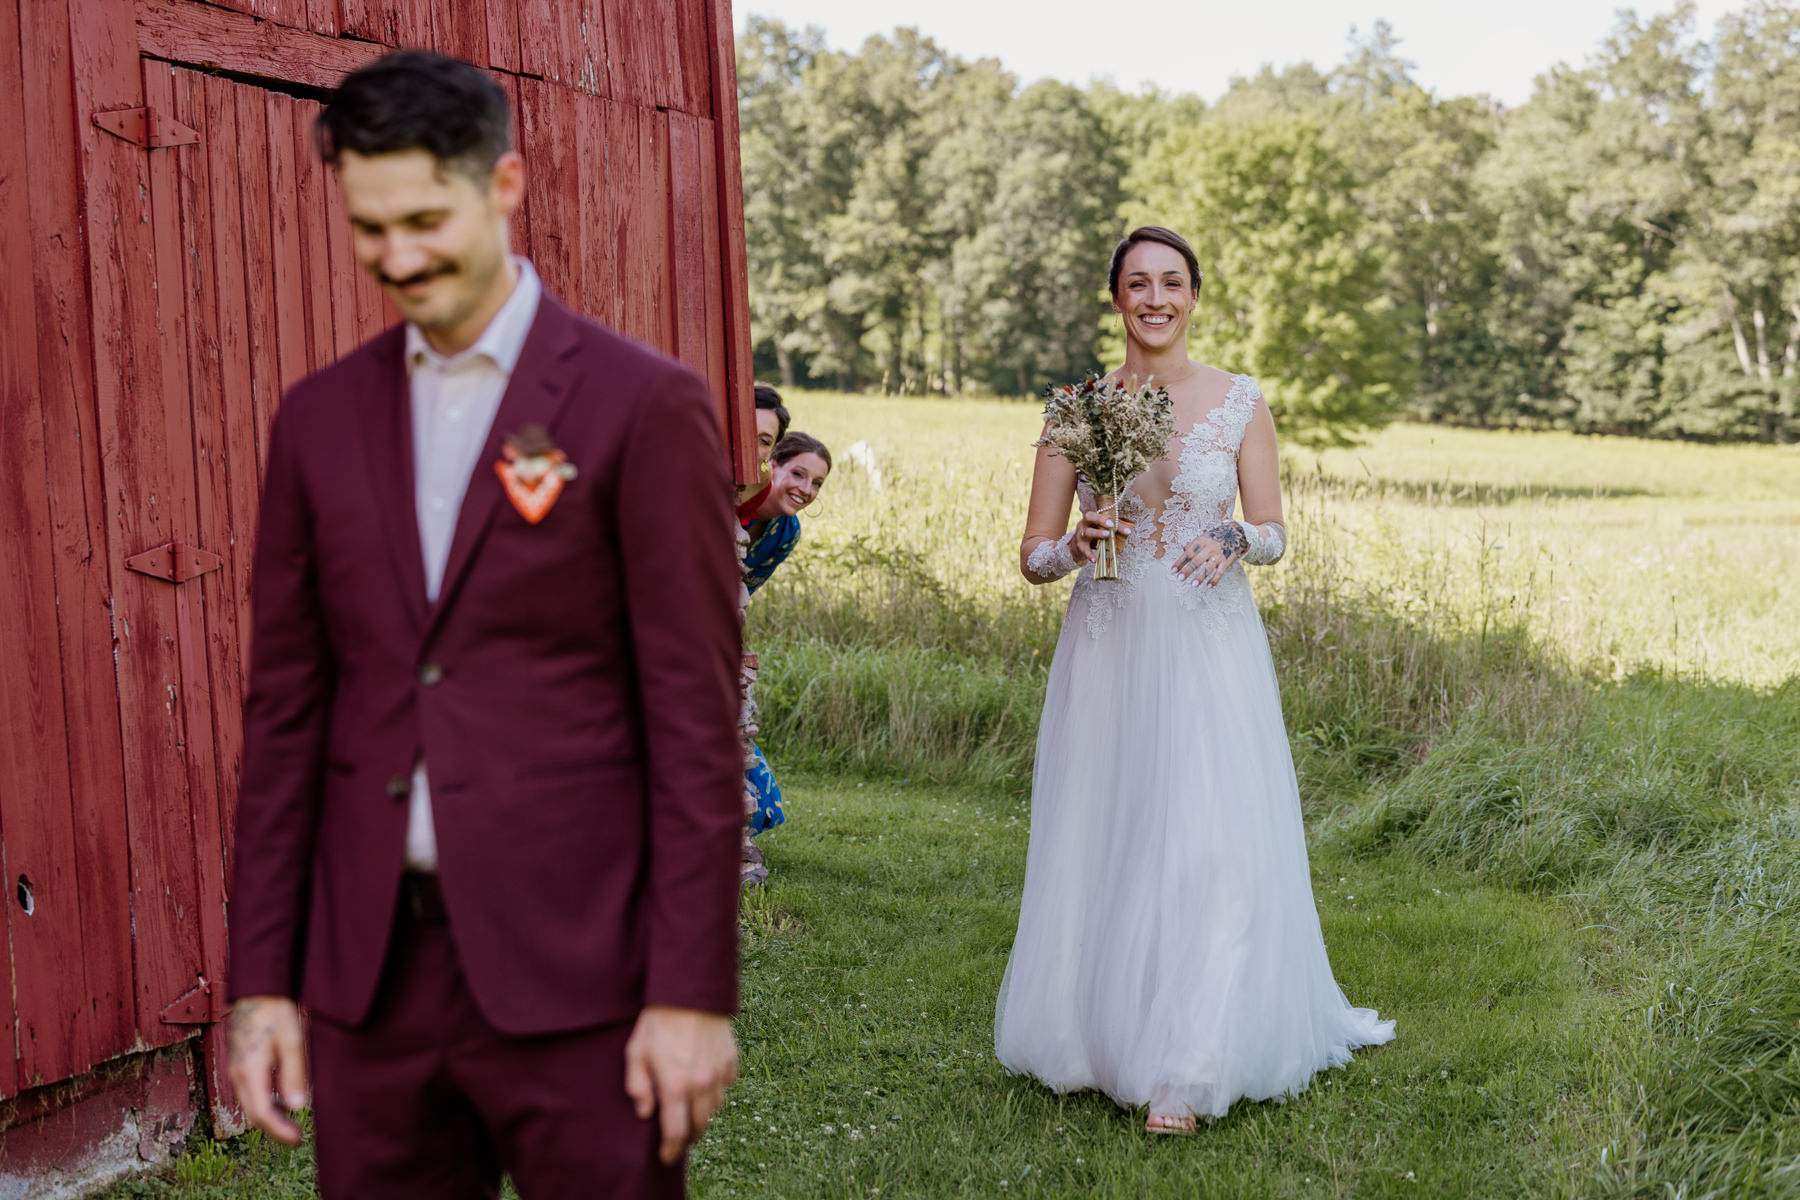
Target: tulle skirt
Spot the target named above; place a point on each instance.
(1168, 950)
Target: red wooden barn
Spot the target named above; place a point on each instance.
(173, 255)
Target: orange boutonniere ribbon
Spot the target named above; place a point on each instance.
(533, 471)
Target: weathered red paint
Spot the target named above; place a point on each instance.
(177, 280)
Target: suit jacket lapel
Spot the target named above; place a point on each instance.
(388, 448)
(535, 395)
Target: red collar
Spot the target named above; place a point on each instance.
(746, 511)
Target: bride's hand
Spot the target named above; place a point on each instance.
(1206, 559)
(1093, 528)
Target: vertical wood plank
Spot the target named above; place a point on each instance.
(461, 30)
(203, 607)
(296, 14)
(551, 186)
(165, 867)
(550, 40)
(687, 241)
(287, 278)
(653, 239)
(694, 41)
(264, 326)
(599, 269)
(624, 58)
(322, 16)
(502, 34)
(308, 205)
(79, 526)
(706, 150)
(141, 510)
(46, 989)
(213, 297)
(619, 200)
(341, 258)
(404, 24)
(661, 44)
(739, 366)
(414, 25)
(237, 386)
(596, 76)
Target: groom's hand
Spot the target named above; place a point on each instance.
(268, 1055)
(679, 1061)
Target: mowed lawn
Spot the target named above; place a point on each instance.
(1542, 692)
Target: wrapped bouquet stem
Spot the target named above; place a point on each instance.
(1106, 550)
(1111, 434)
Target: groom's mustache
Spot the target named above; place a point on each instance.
(416, 277)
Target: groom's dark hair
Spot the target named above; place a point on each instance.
(1153, 233)
(417, 100)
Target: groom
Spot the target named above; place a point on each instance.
(492, 789)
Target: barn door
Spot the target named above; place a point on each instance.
(251, 286)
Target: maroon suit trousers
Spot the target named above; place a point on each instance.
(427, 1100)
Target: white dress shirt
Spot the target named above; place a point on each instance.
(454, 399)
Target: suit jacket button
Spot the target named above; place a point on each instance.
(430, 674)
(399, 787)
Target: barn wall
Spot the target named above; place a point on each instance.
(174, 291)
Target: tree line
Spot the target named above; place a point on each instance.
(1619, 254)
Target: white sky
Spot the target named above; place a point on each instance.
(1460, 47)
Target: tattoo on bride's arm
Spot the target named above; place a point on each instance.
(1230, 537)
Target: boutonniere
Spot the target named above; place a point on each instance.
(533, 471)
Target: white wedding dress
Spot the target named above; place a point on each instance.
(1168, 950)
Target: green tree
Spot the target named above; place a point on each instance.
(1293, 293)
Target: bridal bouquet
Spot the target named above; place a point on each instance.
(1111, 434)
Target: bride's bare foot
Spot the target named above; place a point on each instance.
(1162, 1123)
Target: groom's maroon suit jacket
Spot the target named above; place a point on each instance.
(573, 692)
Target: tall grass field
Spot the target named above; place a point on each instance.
(1544, 698)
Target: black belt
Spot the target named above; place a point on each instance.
(422, 899)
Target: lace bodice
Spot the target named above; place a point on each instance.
(1189, 489)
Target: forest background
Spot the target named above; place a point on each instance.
(1621, 254)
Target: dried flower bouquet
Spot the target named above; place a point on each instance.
(1111, 434)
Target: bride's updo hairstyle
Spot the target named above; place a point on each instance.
(1153, 233)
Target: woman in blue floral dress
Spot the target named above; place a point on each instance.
(800, 464)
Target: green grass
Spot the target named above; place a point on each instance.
(1544, 698)
(871, 965)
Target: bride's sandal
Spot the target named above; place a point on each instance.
(1182, 1126)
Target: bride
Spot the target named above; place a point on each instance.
(1168, 951)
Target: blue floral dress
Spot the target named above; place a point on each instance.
(765, 554)
(770, 550)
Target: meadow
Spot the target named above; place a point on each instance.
(1544, 698)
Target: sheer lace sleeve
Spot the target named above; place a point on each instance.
(1267, 542)
(1051, 560)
